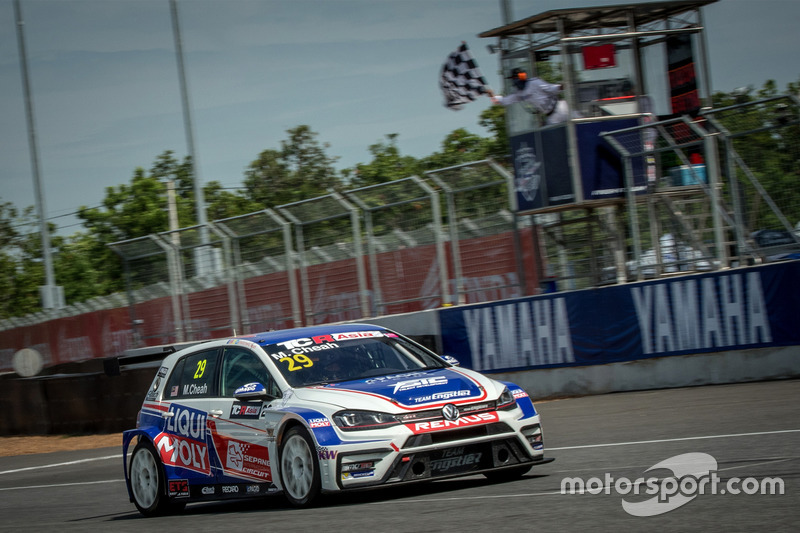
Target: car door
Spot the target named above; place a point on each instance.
(184, 442)
(238, 427)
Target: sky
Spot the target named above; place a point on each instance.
(106, 92)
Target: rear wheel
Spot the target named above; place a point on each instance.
(148, 482)
(299, 468)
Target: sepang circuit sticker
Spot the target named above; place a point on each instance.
(242, 459)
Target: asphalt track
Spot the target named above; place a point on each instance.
(752, 431)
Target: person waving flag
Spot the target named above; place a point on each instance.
(461, 79)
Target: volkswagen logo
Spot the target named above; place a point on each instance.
(450, 412)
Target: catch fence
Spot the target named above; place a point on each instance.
(406, 245)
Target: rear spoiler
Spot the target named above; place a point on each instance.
(148, 356)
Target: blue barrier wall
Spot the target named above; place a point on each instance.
(732, 310)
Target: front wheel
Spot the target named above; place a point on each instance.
(148, 482)
(299, 468)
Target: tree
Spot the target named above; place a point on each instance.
(224, 204)
(771, 150)
(80, 273)
(8, 261)
(129, 211)
(387, 165)
(494, 120)
(219, 202)
(298, 171)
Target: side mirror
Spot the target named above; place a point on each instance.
(251, 391)
(451, 360)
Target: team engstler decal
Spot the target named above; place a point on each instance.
(418, 389)
(183, 444)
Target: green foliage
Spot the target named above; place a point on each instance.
(298, 171)
(771, 152)
(21, 270)
(460, 146)
(225, 204)
(387, 165)
(80, 273)
(494, 120)
(129, 210)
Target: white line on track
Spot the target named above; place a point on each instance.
(119, 456)
(68, 463)
(65, 484)
(675, 440)
(465, 498)
(750, 465)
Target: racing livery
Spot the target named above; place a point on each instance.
(319, 409)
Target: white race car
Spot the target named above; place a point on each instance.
(320, 409)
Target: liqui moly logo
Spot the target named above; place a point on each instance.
(186, 422)
(183, 453)
(183, 441)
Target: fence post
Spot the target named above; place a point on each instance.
(230, 275)
(358, 252)
(455, 251)
(175, 284)
(441, 257)
(286, 229)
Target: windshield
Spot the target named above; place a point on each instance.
(348, 356)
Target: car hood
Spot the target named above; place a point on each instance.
(422, 389)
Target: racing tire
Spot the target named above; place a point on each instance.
(148, 482)
(507, 474)
(299, 466)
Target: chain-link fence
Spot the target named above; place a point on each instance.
(401, 246)
(152, 274)
(405, 245)
(760, 159)
(674, 226)
(263, 270)
(328, 242)
(490, 252)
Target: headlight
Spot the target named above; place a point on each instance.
(506, 400)
(361, 420)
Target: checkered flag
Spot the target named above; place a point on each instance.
(461, 80)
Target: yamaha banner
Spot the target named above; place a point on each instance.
(732, 310)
